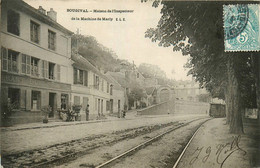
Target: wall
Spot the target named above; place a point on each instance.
(92, 94)
(176, 107)
(23, 44)
(118, 95)
(187, 107)
(158, 109)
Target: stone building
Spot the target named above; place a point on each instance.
(35, 53)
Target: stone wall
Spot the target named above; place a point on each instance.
(176, 107)
(158, 109)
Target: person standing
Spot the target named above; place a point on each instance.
(87, 113)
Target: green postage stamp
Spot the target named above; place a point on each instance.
(241, 27)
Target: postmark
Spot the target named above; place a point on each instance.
(241, 27)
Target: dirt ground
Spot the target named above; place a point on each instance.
(214, 147)
(155, 155)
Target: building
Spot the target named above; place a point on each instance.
(90, 87)
(36, 60)
(191, 92)
(121, 84)
(118, 99)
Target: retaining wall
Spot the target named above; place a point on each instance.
(176, 107)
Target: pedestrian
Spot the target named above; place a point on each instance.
(87, 113)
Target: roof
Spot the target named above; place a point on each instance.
(83, 64)
(26, 8)
(116, 85)
(120, 78)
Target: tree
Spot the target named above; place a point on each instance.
(196, 29)
(151, 71)
(95, 52)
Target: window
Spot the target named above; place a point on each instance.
(14, 97)
(13, 22)
(36, 100)
(111, 89)
(97, 82)
(78, 76)
(86, 78)
(12, 61)
(4, 58)
(35, 32)
(51, 70)
(51, 40)
(64, 101)
(34, 66)
(26, 66)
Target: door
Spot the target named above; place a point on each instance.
(111, 105)
(52, 103)
(102, 106)
(118, 106)
(98, 106)
(85, 103)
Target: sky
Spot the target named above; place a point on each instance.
(125, 38)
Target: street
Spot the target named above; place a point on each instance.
(35, 146)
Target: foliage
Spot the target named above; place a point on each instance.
(199, 34)
(136, 94)
(149, 71)
(95, 52)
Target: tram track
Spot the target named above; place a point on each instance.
(99, 141)
(146, 143)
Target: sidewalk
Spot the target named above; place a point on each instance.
(30, 139)
(130, 115)
(214, 147)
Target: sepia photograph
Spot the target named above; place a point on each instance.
(129, 84)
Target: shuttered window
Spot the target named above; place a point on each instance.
(45, 69)
(26, 68)
(58, 72)
(4, 58)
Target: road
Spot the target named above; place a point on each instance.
(35, 146)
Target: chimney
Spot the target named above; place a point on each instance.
(52, 14)
(43, 11)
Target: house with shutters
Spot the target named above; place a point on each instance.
(90, 87)
(36, 61)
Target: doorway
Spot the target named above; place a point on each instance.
(111, 105)
(52, 103)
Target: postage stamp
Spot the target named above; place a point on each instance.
(241, 27)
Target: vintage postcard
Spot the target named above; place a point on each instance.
(130, 84)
